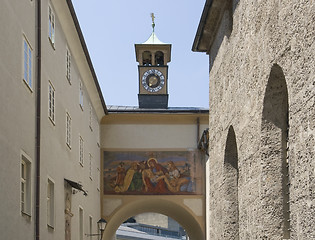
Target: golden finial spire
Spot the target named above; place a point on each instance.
(153, 24)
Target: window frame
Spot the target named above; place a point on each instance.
(68, 129)
(51, 102)
(50, 203)
(23, 185)
(68, 65)
(81, 95)
(98, 172)
(51, 26)
(26, 182)
(90, 166)
(81, 151)
(81, 223)
(27, 75)
(91, 227)
(90, 116)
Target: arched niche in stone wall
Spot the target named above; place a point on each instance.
(274, 159)
(230, 183)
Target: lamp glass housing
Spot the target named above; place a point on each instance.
(101, 224)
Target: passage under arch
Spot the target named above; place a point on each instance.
(169, 208)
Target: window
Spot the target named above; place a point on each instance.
(68, 130)
(25, 186)
(98, 179)
(159, 58)
(81, 95)
(147, 58)
(51, 102)
(91, 117)
(91, 227)
(27, 64)
(81, 151)
(50, 203)
(90, 166)
(68, 65)
(51, 27)
(80, 223)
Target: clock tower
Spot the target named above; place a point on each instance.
(153, 56)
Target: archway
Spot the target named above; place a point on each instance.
(274, 159)
(159, 58)
(153, 224)
(179, 213)
(147, 58)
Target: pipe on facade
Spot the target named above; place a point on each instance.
(38, 119)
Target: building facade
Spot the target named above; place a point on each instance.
(261, 120)
(50, 134)
(131, 139)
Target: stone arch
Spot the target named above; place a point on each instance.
(274, 160)
(147, 58)
(230, 183)
(169, 208)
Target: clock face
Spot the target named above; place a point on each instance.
(153, 80)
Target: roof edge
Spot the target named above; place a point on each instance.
(179, 110)
(86, 53)
(201, 26)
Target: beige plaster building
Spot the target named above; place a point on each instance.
(261, 119)
(49, 129)
(56, 134)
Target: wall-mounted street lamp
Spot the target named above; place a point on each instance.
(101, 224)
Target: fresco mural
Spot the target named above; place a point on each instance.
(166, 172)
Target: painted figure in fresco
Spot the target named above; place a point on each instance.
(153, 177)
(137, 183)
(121, 173)
(173, 178)
(185, 173)
(127, 178)
(173, 174)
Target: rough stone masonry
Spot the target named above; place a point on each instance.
(262, 119)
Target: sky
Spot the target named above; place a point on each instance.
(112, 27)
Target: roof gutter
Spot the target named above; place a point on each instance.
(86, 53)
(38, 119)
(195, 47)
(200, 111)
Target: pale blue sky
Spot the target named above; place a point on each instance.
(112, 27)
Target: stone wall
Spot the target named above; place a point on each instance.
(262, 87)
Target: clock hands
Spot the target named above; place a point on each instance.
(153, 80)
